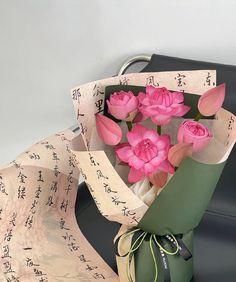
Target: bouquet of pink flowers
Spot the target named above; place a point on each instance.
(152, 158)
(149, 153)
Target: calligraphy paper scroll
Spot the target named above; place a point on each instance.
(40, 240)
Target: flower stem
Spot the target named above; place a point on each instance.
(198, 116)
(159, 129)
(129, 125)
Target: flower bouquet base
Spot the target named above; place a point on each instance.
(169, 267)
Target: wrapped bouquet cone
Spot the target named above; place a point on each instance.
(155, 241)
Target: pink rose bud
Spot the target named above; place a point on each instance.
(108, 130)
(195, 133)
(211, 101)
(123, 105)
(161, 105)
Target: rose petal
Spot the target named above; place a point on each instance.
(135, 162)
(150, 89)
(166, 167)
(149, 111)
(124, 153)
(178, 97)
(135, 175)
(136, 135)
(178, 152)
(180, 110)
(117, 111)
(161, 119)
(132, 104)
(151, 135)
(158, 179)
(156, 161)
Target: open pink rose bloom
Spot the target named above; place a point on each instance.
(122, 104)
(161, 105)
(194, 133)
(145, 152)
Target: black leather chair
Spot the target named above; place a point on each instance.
(215, 237)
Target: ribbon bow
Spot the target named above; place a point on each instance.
(138, 236)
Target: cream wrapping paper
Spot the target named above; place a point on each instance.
(39, 236)
(118, 203)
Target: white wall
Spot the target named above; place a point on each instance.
(49, 46)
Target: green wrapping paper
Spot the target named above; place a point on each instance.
(177, 210)
(182, 203)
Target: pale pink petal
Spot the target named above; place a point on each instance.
(108, 130)
(211, 101)
(151, 135)
(136, 134)
(180, 110)
(150, 89)
(161, 144)
(161, 119)
(166, 167)
(149, 110)
(135, 175)
(148, 168)
(163, 154)
(158, 179)
(132, 104)
(117, 111)
(178, 97)
(124, 153)
(166, 139)
(164, 110)
(178, 152)
(155, 162)
(143, 99)
(135, 162)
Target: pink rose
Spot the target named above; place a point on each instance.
(122, 104)
(194, 133)
(160, 104)
(146, 152)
